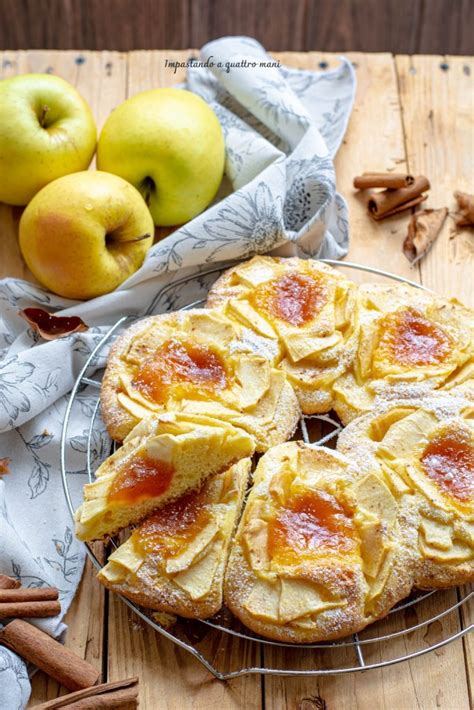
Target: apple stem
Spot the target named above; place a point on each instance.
(109, 238)
(42, 118)
(139, 239)
(148, 186)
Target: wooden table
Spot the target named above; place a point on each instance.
(411, 114)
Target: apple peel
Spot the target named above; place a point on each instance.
(4, 466)
(49, 326)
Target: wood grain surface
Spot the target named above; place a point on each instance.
(399, 26)
(410, 113)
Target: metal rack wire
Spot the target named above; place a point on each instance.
(375, 647)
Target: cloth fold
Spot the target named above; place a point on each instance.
(282, 128)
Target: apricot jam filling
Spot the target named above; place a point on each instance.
(142, 478)
(294, 298)
(175, 525)
(308, 524)
(449, 461)
(176, 362)
(410, 339)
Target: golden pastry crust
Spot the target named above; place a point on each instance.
(305, 307)
(329, 541)
(118, 421)
(162, 458)
(424, 451)
(230, 383)
(181, 571)
(318, 553)
(407, 342)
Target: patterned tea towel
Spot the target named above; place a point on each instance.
(282, 128)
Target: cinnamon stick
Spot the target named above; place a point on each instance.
(28, 594)
(380, 204)
(7, 582)
(121, 694)
(423, 230)
(29, 609)
(391, 181)
(405, 206)
(49, 655)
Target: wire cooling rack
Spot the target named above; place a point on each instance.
(222, 644)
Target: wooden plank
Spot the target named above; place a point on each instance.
(467, 618)
(148, 70)
(279, 24)
(85, 620)
(431, 681)
(120, 24)
(403, 26)
(375, 122)
(369, 26)
(425, 682)
(88, 24)
(429, 86)
(101, 79)
(368, 241)
(170, 678)
(168, 674)
(436, 95)
(11, 263)
(374, 140)
(440, 20)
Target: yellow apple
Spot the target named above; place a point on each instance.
(84, 234)
(46, 130)
(169, 144)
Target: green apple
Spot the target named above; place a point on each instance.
(84, 234)
(46, 130)
(169, 144)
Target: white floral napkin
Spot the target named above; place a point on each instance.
(282, 128)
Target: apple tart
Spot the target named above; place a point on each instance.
(192, 362)
(318, 553)
(174, 561)
(162, 458)
(302, 305)
(424, 452)
(408, 342)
